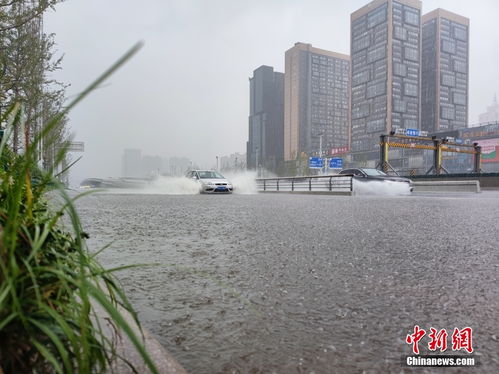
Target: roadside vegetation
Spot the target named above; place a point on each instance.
(50, 284)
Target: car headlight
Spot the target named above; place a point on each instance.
(210, 184)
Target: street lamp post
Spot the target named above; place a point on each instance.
(320, 151)
(257, 163)
(320, 145)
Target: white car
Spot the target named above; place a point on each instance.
(210, 181)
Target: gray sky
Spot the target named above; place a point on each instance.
(187, 93)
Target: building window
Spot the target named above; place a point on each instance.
(446, 112)
(400, 33)
(448, 80)
(376, 17)
(360, 111)
(410, 89)
(399, 69)
(411, 17)
(459, 98)
(361, 43)
(460, 66)
(460, 33)
(376, 54)
(375, 125)
(411, 54)
(448, 46)
(360, 77)
(376, 89)
(410, 124)
(399, 106)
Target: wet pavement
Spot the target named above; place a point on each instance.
(304, 284)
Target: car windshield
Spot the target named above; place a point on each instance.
(209, 175)
(373, 172)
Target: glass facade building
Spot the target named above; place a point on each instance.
(266, 119)
(385, 71)
(445, 65)
(316, 104)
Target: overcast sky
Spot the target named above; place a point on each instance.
(186, 93)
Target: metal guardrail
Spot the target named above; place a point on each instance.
(447, 186)
(487, 180)
(333, 184)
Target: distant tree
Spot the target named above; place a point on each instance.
(15, 14)
(302, 162)
(26, 64)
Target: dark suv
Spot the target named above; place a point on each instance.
(366, 175)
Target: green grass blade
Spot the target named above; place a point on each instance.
(118, 318)
(7, 320)
(47, 355)
(57, 343)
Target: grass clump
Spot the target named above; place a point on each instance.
(49, 282)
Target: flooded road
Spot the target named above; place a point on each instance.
(304, 284)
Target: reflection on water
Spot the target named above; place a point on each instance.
(334, 283)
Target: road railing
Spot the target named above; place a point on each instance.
(322, 184)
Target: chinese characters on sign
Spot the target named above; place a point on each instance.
(338, 150)
(412, 132)
(461, 339)
(316, 163)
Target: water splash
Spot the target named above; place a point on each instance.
(173, 186)
(160, 186)
(380, 188)
(244, 183)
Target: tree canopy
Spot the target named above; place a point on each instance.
(27, 62)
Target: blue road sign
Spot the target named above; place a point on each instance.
(316, 163)
(336, 163)
(412, 132)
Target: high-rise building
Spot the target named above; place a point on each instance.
(131, 163)
(385, 62)
(316, 105)
(444, 71)
(265, 144)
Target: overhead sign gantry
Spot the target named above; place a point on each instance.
(416, 139)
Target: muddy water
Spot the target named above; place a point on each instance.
(304, 284)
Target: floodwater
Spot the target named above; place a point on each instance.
(285, 283)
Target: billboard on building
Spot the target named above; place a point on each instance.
(339, 150)
(490, 149)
